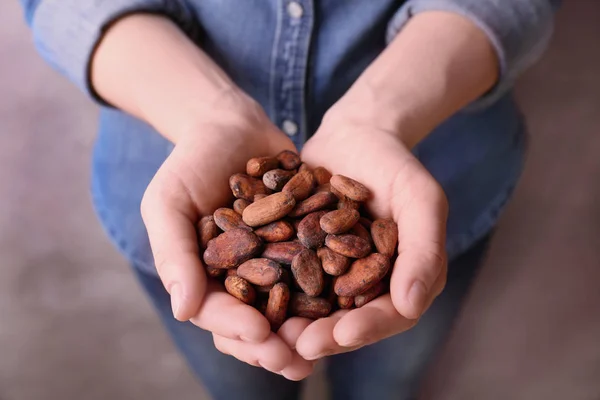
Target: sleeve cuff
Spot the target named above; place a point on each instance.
(518, 30)
(66, 32)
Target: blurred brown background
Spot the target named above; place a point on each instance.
(74, 324)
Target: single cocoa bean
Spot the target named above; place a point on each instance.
(350, 188)
(333, 263)
(345, 303)
(348, 203)
(301, 185)
(278, 231)
(215, 272)
(303, 305)
(240, 204)
(348, 245)
(321, 175)
(227, 219)
(288, 160)
(260, 271)
(307, 271)
(277, 178)
(385, 236)
(269, 209)
(362, 275)
(325, 188)
(207, 230)
(245, 187)
(368, 295)
(231, 248)
(316, 202)
(257, 166)
(309, 230)
(282, 252)
(240, 289)
(362, 232)
(303, 167)
(277, 306)
(339, 221)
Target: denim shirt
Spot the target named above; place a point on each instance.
(296, 58)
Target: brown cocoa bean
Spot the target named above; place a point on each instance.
(325, 188)
(269, 209)
(309, 230)
(227, 219)
(350, 188)
(366, 222)
(240, 204)
(301, 185)
(339, 221)
(362, 232)
(296, 223)
(282, 252)
(231, 248)
(277, 178)
(303, 305)
(362, 275)
(257, 166)
(240, 289)
(277, 306)
(321, 175)
(368, 295)
(345, 302)
(278, 231)
(207, 230)
(385, 236)
(259, 196)
(347, 203)
(316, 202)
(245, 187)
(215, 272)
(307, 271)
(288, 160)
(348, 245)
(303, 167)
(333, 263)
(260, 271)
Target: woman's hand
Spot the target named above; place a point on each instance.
(403, 190)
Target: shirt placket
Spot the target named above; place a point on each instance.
(289, 68)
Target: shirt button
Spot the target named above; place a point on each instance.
(290, 127)
(295, 9)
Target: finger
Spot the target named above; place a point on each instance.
(272, 354)
(291, 329)
(420, 209)
(169, 216)
(299, 368)
(226, 316)
(371, 323)
(317, 340)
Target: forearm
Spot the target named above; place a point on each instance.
(146, 66)
(436, 65)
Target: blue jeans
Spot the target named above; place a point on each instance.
(390, 369)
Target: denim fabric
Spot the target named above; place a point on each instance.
(390, 369)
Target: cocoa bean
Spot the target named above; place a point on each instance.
(301, 185)
(245, 187)
(240, 204)
(321, 175)
(215, 272)
(350, 188)
(339, 221)
(348, 245)
(288, 160)
(316, 202)
(278, 231)
(227, 219)
(207, 230)
(309, 230)
(231, 248)
(368, 295)
(229, 272)
(277, 306)
(303, 305)
(362, 275)
(282, 252)
(333, 263)
(362, 232)
(366, 222)
(385, 236)
(347, 203)
(269, 209)
(260, 271)
(277, 178)
(257, 166)
(345, 303)
(308, 273)
(240, 289)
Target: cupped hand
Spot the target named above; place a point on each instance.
(191, 183)
(402, 189)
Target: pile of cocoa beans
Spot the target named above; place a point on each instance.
(297, 242)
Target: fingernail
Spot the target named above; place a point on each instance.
(417, 295)
(176, 299)
(320, 355)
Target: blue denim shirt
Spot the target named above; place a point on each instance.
(296, 58)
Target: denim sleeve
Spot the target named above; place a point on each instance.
(66, 32)
(519, 30)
